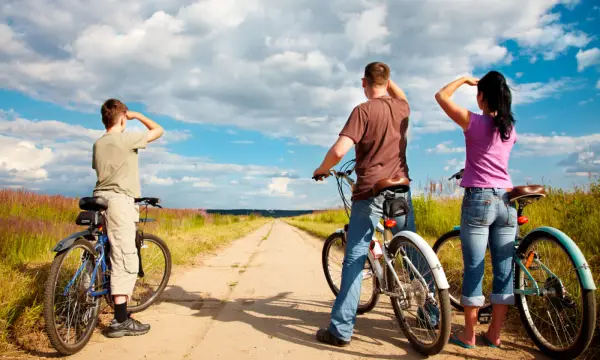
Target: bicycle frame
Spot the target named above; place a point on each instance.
(100, 263)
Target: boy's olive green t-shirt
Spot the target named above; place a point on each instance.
(115, 159)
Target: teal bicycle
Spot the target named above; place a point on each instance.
(554, 287)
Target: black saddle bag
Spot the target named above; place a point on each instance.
(396, 207)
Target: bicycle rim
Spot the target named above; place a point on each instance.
(561, 322)
(424, 321)
(332, 257)
(70, 312)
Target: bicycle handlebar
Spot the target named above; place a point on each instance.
(458, 175)
(148, 201)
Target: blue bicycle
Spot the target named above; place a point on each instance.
(80, 276)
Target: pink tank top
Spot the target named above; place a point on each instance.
(487, 155)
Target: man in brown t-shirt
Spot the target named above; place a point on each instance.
(378, 129)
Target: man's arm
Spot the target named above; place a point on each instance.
(155, 130)
(395, 91)
(334, 155)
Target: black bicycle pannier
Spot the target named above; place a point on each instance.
(89, 218)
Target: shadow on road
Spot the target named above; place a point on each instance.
(296, 320)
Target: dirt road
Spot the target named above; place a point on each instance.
(264, 297)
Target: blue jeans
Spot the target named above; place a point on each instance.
(487, 218)
(364, 217)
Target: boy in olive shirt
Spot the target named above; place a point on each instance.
(115, 159)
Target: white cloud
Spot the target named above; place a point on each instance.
(587, 58)
(598, 84)
(243, 142)
(541, 145)
(22, 161)
(583, 102)
(443, 148)
(454, 164)
(280, 67)
(519, 75)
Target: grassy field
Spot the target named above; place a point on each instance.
(31, 224)
(576, 212)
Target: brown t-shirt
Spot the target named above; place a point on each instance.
(378, 128)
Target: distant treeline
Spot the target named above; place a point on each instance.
(265, 213)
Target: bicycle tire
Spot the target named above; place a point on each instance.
(585, 333)
(166, 275)
(444, 305)
(49, 315)
(455, 300)
(362, 308)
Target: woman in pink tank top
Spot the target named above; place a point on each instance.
(487, 216)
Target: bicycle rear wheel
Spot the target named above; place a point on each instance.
(424, 314)
(561, 321)
(332, 258)
(70, 312)
(156, 264)
(448, 250)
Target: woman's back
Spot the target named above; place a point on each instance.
(487, 155)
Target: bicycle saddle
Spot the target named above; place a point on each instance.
(396, 185)
(96, 203)
(527, 191)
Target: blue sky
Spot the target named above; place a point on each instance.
(252, 93)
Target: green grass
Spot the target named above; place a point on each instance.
(576, 213)
(31, 224)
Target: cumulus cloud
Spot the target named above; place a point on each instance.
(443, 148)
(542, 145)
(587, 58)
(284, 68)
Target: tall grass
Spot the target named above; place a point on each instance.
(437, 211)
(31, 224)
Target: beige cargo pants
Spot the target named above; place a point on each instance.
(121, 217)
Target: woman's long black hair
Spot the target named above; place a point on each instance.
(497, 95)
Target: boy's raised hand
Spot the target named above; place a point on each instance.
(132, 115)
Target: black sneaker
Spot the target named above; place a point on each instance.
(324, 336)
(129, 327)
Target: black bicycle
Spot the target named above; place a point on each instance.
(80, 276)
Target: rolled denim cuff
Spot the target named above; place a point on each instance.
(476, 301)
(502, 299)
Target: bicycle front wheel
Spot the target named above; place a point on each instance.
(562, 319)
(332, 259)
(422, 309)
(156, 265)
(70, 311)
(449, 252)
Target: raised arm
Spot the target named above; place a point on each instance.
(395, 91)
(155, 130)
(457, 113)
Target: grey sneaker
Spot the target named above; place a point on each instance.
(129, 327)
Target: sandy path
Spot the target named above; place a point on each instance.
(264, 298)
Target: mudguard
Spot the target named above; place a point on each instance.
(67, 242)
(430, 256)
(582, 266)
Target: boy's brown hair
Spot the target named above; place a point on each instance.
(377, 74)
(111, 110)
